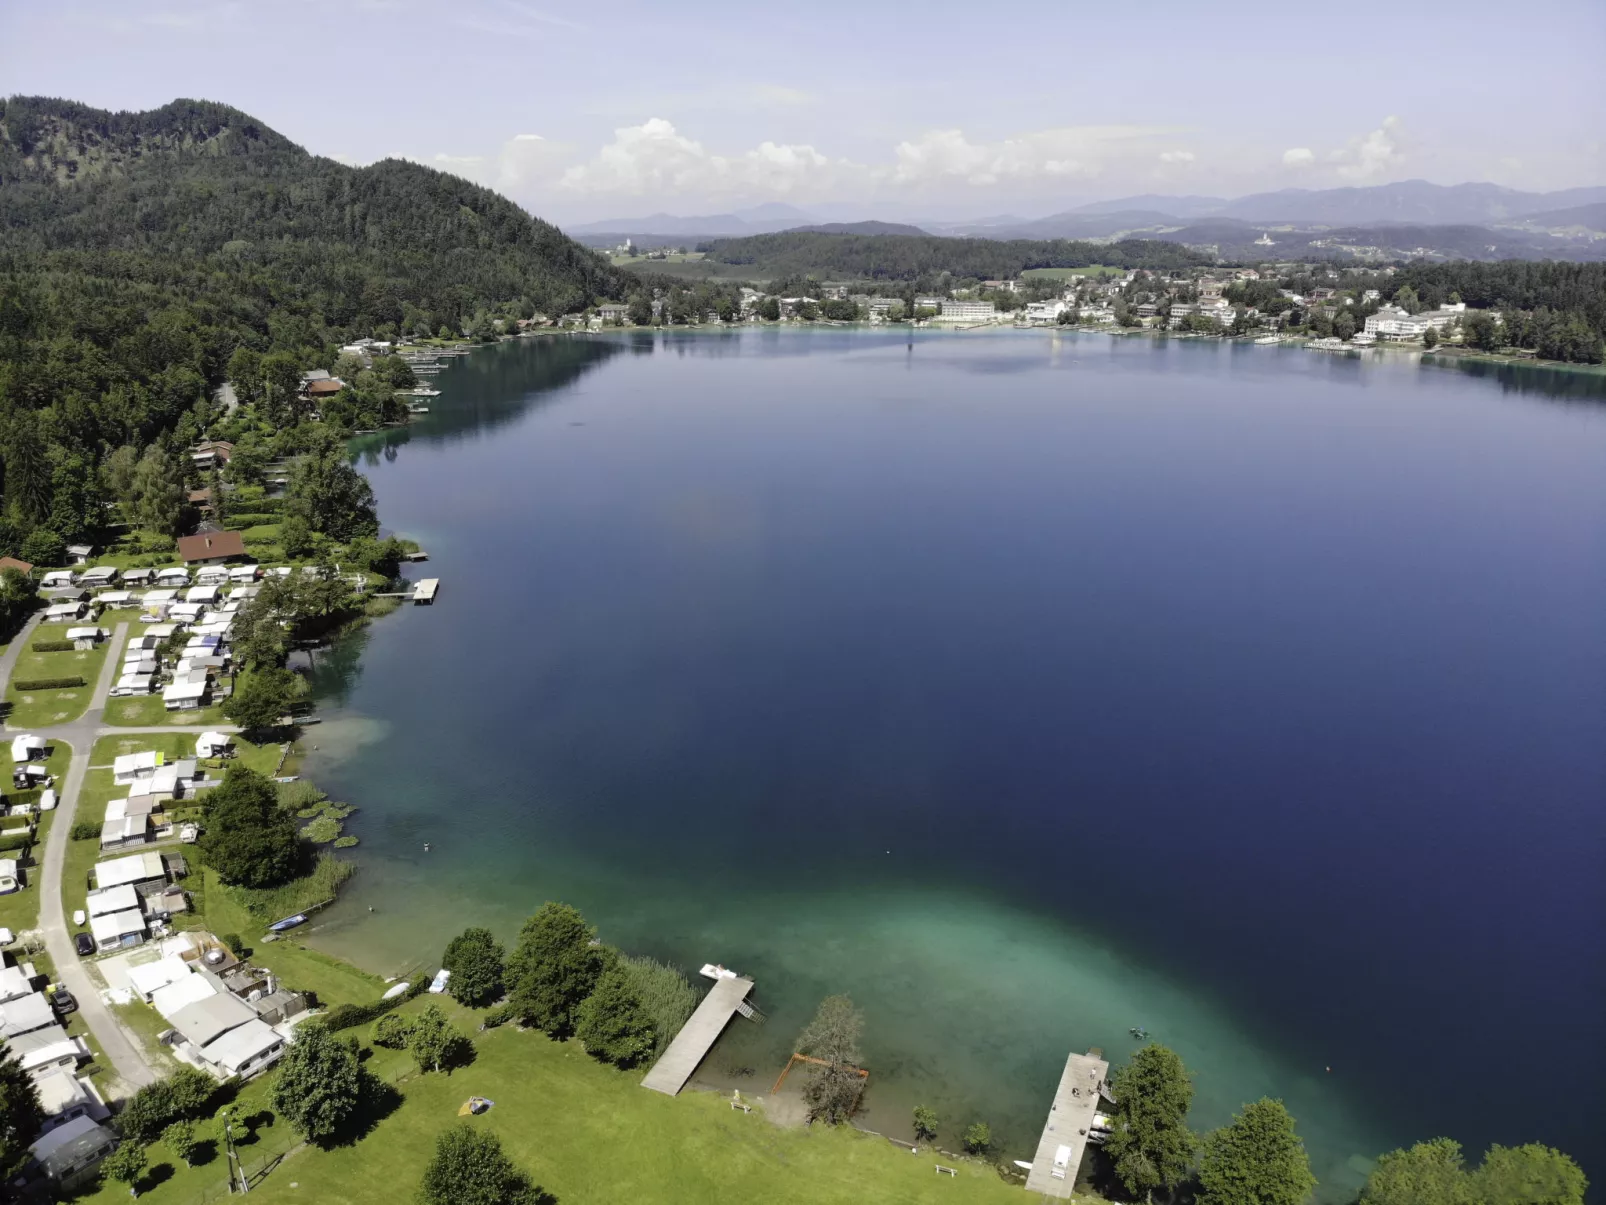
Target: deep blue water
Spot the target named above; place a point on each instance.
(1026, 687)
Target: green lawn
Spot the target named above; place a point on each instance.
(303, 969)
(45, 707)
(20, 910)
(1068, 273)
(148, 711)
(587, 1133)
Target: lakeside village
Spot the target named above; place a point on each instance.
(1327, 308)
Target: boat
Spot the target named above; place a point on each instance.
(1326, 344)
(288, 923)
(395, 989)
(417, 408)
(421, 391)
(78, 918)
(1023, 1165)
(437, 985)
(714, 971)
(1265, 339)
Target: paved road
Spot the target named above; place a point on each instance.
(124, 1052)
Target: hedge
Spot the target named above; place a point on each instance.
(16, 841)
(52, 646)
(19, 799)
(49, 684)
(239, 522)
(83, 830)
(345, 1016)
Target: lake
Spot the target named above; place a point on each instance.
(1026, 686)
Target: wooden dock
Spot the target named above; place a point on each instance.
(701, 1031)
(424, 591)
(1059, 1150)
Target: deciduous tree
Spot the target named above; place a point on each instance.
(249, 839)
(475, 959)
(320, 1084)
(127, 1164)
(553, 968)
(470, 1168)
(433, 1040)
(612, 1022)
(1256, 1160)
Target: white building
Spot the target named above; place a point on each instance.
(965, 311)
(1045, 311)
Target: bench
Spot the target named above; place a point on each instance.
(946, 1171)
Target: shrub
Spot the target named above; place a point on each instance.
(83, 830)
(23, 841)
(978, 1137)
(52, 646)
(925, 1123)
(48, 684)
(346, 1016)
(235, 943)
(345, 842)
(184, 1094)
(18, 799)
(392, 1031)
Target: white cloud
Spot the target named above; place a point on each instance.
(656, 158)
(1066, 152)
(1299, 156)
(1177, 156)
(1371, 154)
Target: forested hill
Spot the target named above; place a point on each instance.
(909, 257)
(139, 195)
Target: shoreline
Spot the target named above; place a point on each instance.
(1444, 352)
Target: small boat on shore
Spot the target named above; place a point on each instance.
(288, 923)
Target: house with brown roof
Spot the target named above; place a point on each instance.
(11, 562)
(210, 453)
(211, 547)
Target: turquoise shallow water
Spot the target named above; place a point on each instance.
(1026, 687)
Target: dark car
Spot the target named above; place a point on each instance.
(62, 1001)
(85, 944)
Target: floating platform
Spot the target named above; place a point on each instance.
(424, 592)
(1070, 1118)
(698, 1035)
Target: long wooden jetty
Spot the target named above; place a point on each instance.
(1059, 1150)
(702, 1029)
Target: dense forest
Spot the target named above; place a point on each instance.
(143, 254)
(908, 257)
(1557, 309)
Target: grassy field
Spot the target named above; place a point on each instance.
(587, 1133)
(1068, 273)
(636, 261)
(44, 707)
(148, 711)
(303, 969)
(20, 910)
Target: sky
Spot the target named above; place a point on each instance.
(857, 108)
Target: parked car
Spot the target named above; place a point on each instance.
(85, 944)
(62, 1001)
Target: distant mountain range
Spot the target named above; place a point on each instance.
(1478, 221)
(1410, 202)
(759, 219)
